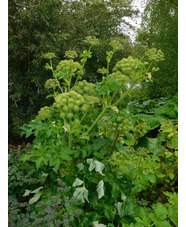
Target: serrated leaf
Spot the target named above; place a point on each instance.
(115, 191)
(55, 162)
(77, 182)
(25, 157)
(37, 189)
(27, 192)
(109, 211)
(35, 198)
(65, 157)
(38, 162)
(99, 167)
(81, 194)
(80, 166)
(91, 163)
(100, 189)
(28, 132)
(163, 224)
(120, 209)
(160, 210)
(49, 96)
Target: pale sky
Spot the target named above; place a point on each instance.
(136, 21)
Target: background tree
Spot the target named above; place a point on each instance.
(160, 30)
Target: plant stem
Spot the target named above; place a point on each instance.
(163, 153)
(51, 65)
(126, 93)
(106, 144)
(69, 140)
(98, 118)
(115, 141)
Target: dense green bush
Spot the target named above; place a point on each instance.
(96, 163)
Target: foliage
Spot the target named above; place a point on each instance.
(160, 30)
(100, 165)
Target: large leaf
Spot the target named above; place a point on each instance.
(81, 194)
(95, 164)
(77, 182)
(80, 166)
(37, 190)
(100, 189)
(153, 145)
(99, 167)
(91, 163)
(27, 192)
(35, 198)
(120, 209)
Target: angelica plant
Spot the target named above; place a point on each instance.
(76, 100)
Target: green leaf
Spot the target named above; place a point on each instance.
(38, 162)
(49, 96)
(91, 163)
(99, 167)
(163, 224)
(115, 191)
(153, 145)
(151, 178)
(25, 157)
(109, 211)
(120, 209)
(173, 215)
(27, 192)
(65, 157)
(160, 211)
(77, 182)
(35, 198)
(28, 132)
(128, 139)
(80, 166)
(37, 190)
(100, 189)
(81, 194)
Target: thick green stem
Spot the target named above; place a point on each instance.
(123, 96)
(69, 140)
(51, 65)
(126, 93)
(98, 118)
(60, 88)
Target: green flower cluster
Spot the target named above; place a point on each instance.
(49, 56)
(123, 69)
(68, 65)
(92, 41)
(119, 162)
(122, 126)
(52, 83)
(70, 103)
(71, 54)
(116, 45)
(44, 113)
(102, 71)
(87, 91)
(155, 55)
(105, 123)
